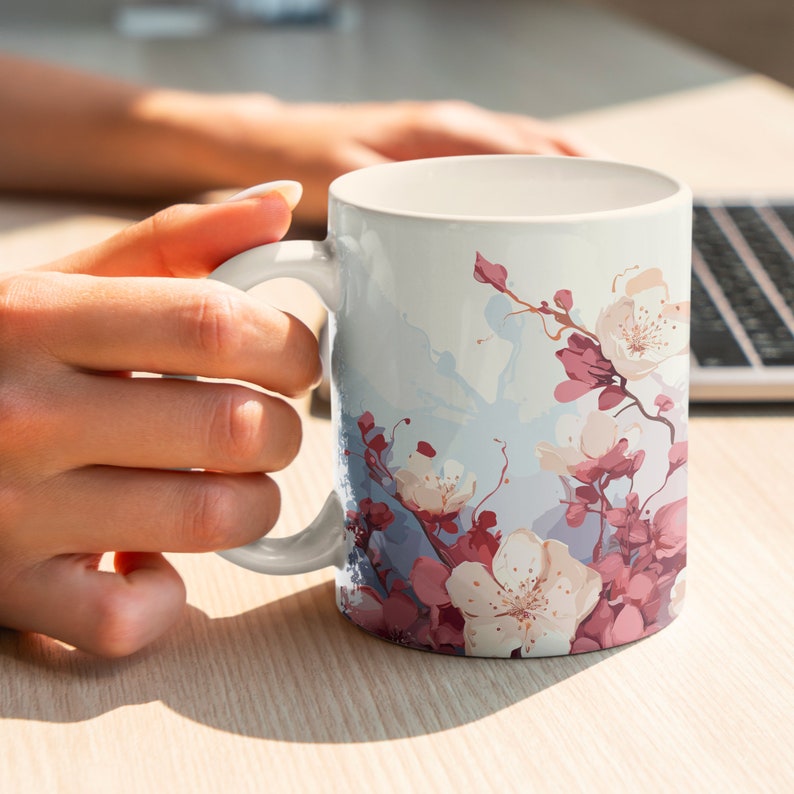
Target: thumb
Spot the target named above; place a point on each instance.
(190, 240)
(101, 612)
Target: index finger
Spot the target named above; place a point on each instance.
(173, 326)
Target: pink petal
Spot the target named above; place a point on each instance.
(423, 448)
(399, 611)
(490, 273)
(570, 390)
(429, 580)
(564, 299)
(629, 625)
(669, 526)
(610, 397)
(641, 586)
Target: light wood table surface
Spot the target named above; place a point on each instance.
(264, 687)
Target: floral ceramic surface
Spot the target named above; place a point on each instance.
(499, 529)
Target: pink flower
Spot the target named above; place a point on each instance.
(663, 403)
(591, 448)
(633, 531)
(476, 545)
(563, 299)
(615, 464)
(366, 423)
(377, 449)
(639, 597)
(626, 611)
(393, 617)
(490, 273)
(587, 370)
(373, 517)
(678, 455)
(668, 534)
(443, 629)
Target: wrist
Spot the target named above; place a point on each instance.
(205, 141)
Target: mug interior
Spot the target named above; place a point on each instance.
(505, 187)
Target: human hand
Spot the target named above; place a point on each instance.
(128, 140)
(315, 143)
(89, 455)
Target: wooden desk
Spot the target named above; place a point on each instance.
(732, 139)
(263, 687)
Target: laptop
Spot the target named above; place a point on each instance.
(742, 332)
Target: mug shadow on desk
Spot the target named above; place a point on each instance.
(268, 672)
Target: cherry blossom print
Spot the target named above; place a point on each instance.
(588, 370)
(531, 601)
(668, 535)
(440, 496)
(443, 629)
(644, 327)
(596, 444)
(677, 593)
(394, 618)
(371, 517)
(496, 275)
(490, 273)
(628, 610)
(432, 567)
(643, 583)
(361, 524)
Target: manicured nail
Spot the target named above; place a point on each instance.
(289, 190)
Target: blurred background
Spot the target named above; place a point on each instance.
(755, 34)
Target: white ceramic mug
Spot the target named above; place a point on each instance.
(510, 339)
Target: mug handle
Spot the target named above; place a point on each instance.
(321, 543)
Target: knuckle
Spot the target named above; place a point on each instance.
(214, 324)
(237, 428)
(168, 217)
(123, 620)
(449, 111)
(252, 433)
(117, 628)
(20, 304)
(213, 516)
(303, 359)
(229, 511)
(287, 443)
(159, 226)
(29, 424)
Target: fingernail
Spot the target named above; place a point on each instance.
(289, 190)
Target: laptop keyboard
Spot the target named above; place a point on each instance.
(743, 286)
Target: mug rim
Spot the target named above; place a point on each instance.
(344, 189)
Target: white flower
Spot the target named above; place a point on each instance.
(421, 489)
(677, 594)
(644, 328)
(581, 442)
(534, 601)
